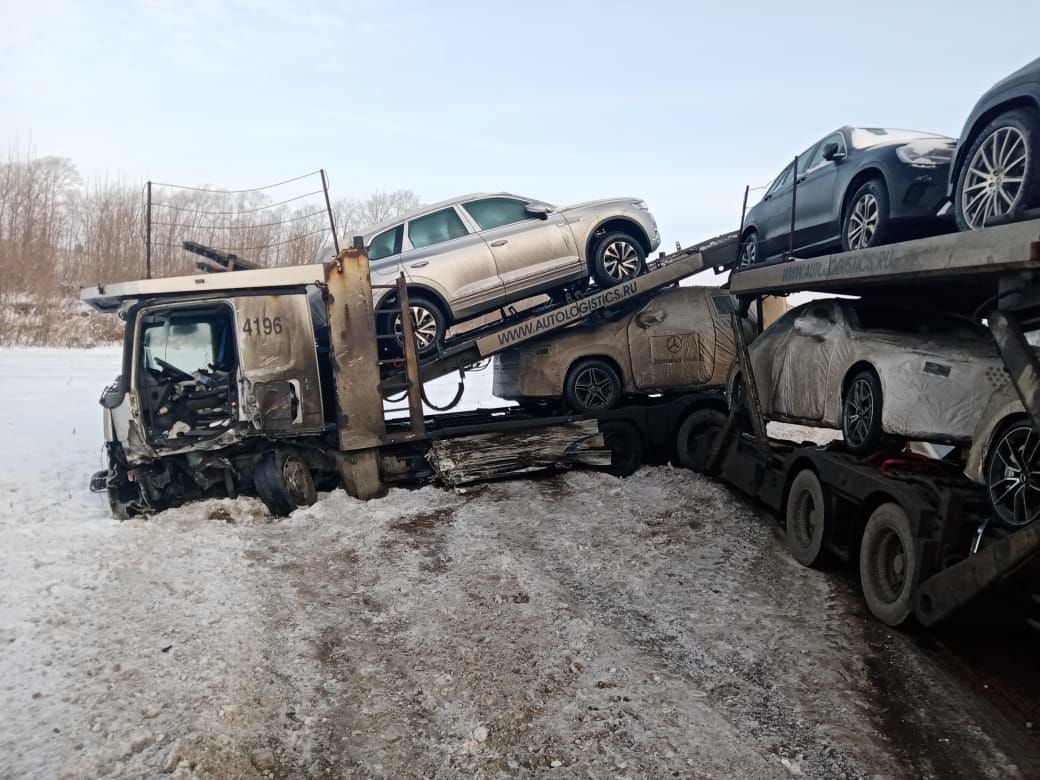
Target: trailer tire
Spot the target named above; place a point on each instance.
(862, 398)
(807, 518)
(617, 258)
(888, 564)
(625, 443)
(284, 482)
(695, 437)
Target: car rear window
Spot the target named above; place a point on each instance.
(434, 228)
(385, 244)
(915, 322)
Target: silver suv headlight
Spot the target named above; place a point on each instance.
(640, 204)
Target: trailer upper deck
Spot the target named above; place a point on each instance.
(109, 297)
(957, 270)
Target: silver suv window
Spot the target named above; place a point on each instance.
(495, 212)
(386, 244)
(435, 228)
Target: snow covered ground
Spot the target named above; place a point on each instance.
(577, 626)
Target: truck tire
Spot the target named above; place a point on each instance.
(695, 437)
(284, 482)
(888, 564)
(807, 518)
(625, 443)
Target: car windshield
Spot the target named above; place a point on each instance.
(866, 137)
(915, 322)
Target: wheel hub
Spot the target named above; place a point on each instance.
(995, 175)
(620, 260)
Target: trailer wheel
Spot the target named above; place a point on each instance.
(284, 482)
(626, 447)
(695, 437)
(861, 413)
(617, 258)
(888, 564)
(807, 516)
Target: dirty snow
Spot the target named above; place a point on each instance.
(577, 625)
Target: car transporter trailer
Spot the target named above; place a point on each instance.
(834, 504)
(371, 450)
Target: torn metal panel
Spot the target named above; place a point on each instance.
(458, 461)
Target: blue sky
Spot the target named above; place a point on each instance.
(681, 104)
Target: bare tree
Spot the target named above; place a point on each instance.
(58, 233)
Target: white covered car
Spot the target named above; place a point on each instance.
(871, 370)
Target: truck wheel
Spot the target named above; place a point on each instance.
(807, 518)
(626, 447)
(617, 258)
(888, 564)
(861, 413)
(284, 482)
(695, 437)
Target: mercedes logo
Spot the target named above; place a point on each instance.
(674, 344)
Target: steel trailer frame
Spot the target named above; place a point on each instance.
(993, 272)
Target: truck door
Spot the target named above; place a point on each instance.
(281, 388)
(672, 341)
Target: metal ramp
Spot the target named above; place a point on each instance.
(477, 345)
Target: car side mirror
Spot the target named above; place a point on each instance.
(540, 210)
(812, 327)
(650, 317)
(832, 152)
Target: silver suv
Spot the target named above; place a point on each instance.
(471, 255)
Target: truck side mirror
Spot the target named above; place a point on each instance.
(113, 394)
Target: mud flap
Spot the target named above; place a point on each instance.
(949, 590)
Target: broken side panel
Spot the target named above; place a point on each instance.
(216, 371)
(279, 363)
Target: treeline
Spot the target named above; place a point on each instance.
(59, 233)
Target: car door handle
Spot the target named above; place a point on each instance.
(500, 242)
(419, 264)
(800, 179)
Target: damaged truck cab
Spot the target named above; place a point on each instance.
(219, 393)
